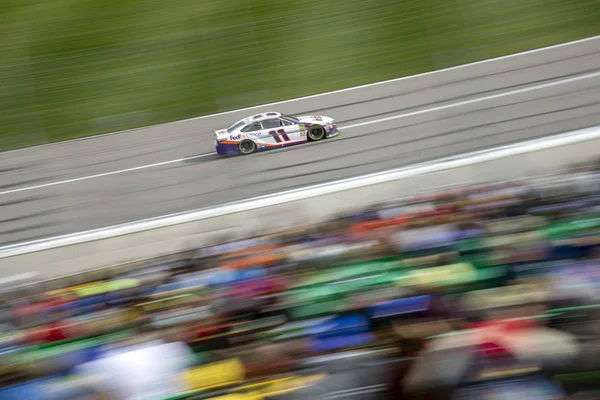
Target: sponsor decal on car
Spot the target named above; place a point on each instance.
(242, 136)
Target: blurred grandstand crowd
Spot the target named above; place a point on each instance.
(487, 291)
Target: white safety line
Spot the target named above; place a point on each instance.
(371, 122)
(424, 74)
(447, 163)
(403, 78)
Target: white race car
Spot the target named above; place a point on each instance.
(272, 130)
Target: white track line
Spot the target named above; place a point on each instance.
(376, 121)
(83, 178)
(458, 67)
(478, 99)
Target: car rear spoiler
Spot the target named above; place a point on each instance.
(219, 133)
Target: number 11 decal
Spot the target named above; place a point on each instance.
(279, 134)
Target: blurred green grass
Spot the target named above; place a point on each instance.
(73, 68)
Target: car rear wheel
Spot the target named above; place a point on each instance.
(316, 133)
(247, 146)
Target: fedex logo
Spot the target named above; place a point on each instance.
(242, 136)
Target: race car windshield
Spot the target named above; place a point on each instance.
(235, 126)
(290, 117)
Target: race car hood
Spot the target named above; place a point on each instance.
(316, 119)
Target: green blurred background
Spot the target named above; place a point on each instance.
(72, 68)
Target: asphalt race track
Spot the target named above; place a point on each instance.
(79, 185)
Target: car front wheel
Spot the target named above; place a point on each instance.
(316, 133)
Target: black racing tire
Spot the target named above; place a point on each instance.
(246, 146)
(315, 133)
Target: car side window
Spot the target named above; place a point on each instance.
(270, 124)
(283, 122)
(252, 127)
